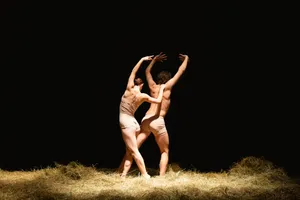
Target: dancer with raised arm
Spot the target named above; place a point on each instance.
(130, 101)
(154, 120)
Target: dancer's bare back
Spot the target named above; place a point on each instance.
(165, 104)
(154, 87)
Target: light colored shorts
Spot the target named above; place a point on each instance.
(127, 121)
(156, 125)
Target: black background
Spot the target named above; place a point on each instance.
(65, 68)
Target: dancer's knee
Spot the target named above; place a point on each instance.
(127, 164)
(135, 153)
(164, 151)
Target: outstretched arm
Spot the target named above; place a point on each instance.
(131, 78)
(160, 57)
(180, 71)
(157, 100)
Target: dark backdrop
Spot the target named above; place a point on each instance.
(64, 70)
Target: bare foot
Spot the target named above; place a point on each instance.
(123, 176)
(147, 176)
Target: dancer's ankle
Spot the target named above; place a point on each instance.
(147, 176)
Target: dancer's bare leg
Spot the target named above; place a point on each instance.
(129, 136)
(163, 144)
(127, 159)
(125, 164)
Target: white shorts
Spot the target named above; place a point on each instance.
(127, 121)
(153, 124)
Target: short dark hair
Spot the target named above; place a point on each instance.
(138, 81)
(163, 77)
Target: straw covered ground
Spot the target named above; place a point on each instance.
(250, 178)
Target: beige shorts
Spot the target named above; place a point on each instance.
(156, 125)
(127, 121)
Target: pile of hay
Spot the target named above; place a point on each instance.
(251, 178)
